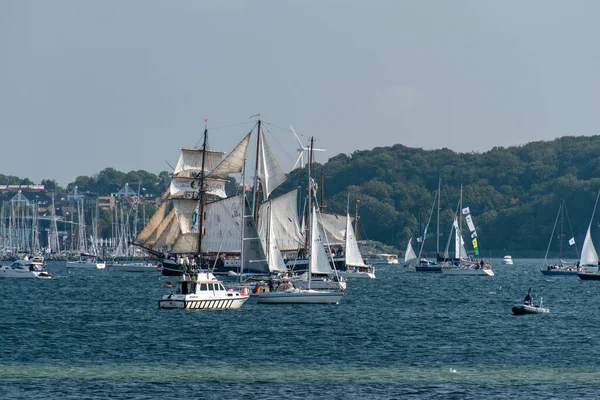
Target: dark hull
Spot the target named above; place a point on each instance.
(589, 277)
(557, 272)
(524, 309)
(428, 268)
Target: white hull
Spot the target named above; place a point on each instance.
(24, 269)
(357, 274)
(300, 296)
(6, 272)
(467, 271)
(235, 300)
(300, 282)
(85, 264)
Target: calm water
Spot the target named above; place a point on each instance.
(100, 334)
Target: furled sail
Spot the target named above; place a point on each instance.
(234, 161)
(352, 252)
(269, 172)
(284, 219)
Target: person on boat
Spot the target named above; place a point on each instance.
(529, 299)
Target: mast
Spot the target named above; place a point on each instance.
(460, 222)
(243, 220)
(255, 189)
(322, 205)
(201, 200)
(437, 233)
(309, 206)
(560, 237)
(356, 218)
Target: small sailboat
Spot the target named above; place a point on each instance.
(410, 257)
(588, 264)
(562, 267)
(354, 265)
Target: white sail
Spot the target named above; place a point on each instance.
(269, 172)
(409, 254)
(152, 224)
(457, 239)
(190, 161)
(186, 186)
(463, 249)
(353, 257)
(222, 226)
(276, 262)
(319, 263)
(284, 219)
(234, 161)
(334, 226)
(588, 251)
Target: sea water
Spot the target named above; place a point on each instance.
(99, 334)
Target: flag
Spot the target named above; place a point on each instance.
(571, 241)
(470, 223)
(195, 227)
(466, 211)
(425, 231)
(474, 241)
(474, 235)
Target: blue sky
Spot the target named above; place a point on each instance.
(86, 85)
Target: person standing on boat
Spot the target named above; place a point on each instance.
(529, 298)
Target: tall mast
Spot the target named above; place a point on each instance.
(256, 190)
(322, 205)
(243, 220)
(460, 223)
(356, 218)
(309, 204)
(309, 200)
(437, 233)
(560, 237)
(201, 200)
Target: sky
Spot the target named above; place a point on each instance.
(87, 85)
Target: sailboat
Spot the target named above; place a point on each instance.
(462, 264)
(410, 257)
(198, 288)
(424, 264)
(286, 293)
(588, 264)
(354, 265)
(561, 268)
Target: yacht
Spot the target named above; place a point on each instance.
(26, 268)
(507, 260)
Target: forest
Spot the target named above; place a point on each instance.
(513, 193)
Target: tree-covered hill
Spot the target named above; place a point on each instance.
(513, 193)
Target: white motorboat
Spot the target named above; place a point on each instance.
(24, 269)
(201, 290)
(507, 260)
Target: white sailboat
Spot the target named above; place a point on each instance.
(562, 267)
(318, 263)
(461, 264)
(588, 263)
(410, 257)
(354, 265)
